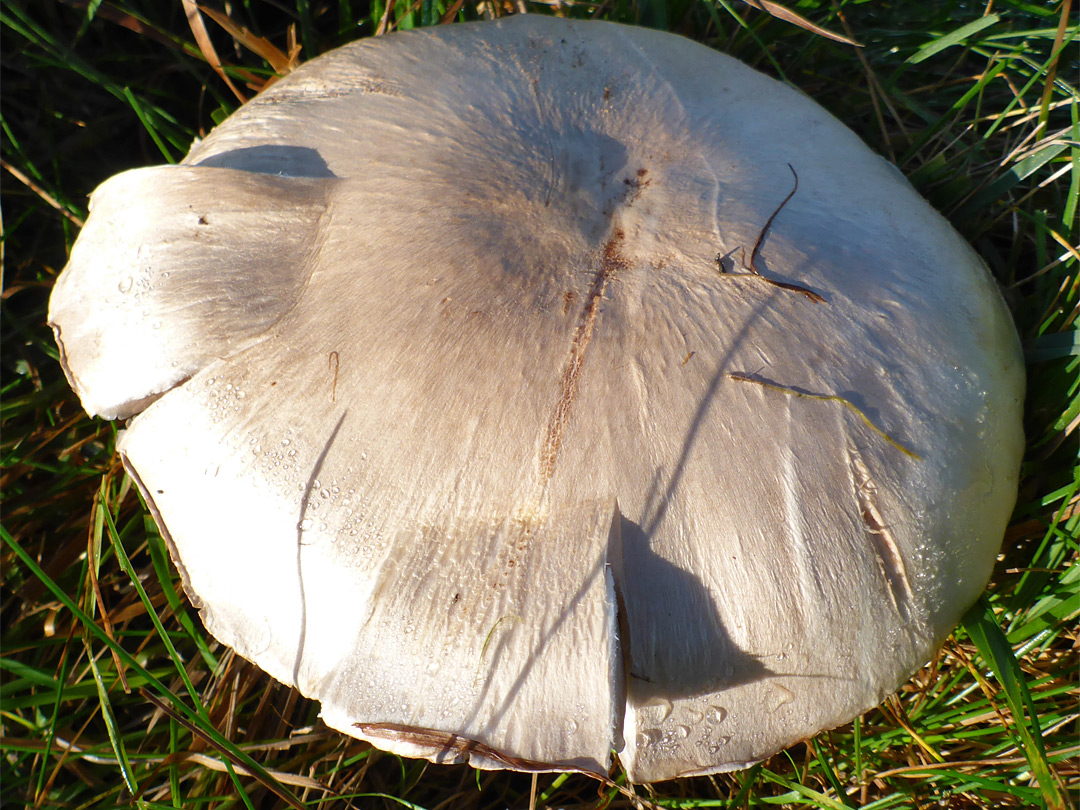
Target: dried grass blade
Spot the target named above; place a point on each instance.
(384, 23)
(847, 403)
(1051, 71)
(284, 777)
(787, 15)
(202, 38)
(50, 200)
(451, 12)
(281, 63)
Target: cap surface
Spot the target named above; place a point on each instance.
(454, 421)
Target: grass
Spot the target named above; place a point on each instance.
(111, 692)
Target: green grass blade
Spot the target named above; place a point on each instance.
(189, 713)
(800, 791)
(155, 547)
(957, 37)
(125, 565)
(118, 746)
(984, 631)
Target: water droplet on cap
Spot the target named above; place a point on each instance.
(663, 704)
(649, 736)
(781, 696)
(717, 744)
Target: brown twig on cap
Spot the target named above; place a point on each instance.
(751, 267)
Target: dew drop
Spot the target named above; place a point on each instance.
(716, 714)
(781, 696)
(649, 736)
(664, 705)
(125, 285)
(682, 732)
(715, 746)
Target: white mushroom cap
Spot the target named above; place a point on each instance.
(457, 426)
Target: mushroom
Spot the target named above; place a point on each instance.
(531, 389)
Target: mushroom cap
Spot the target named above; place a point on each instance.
(453, 420)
